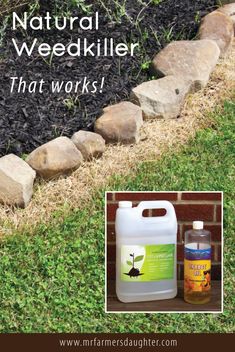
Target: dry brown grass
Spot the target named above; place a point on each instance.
(7, 6)
(72, 192)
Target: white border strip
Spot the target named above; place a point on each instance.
(222, 257)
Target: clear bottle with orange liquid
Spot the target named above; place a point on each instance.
(197, 265)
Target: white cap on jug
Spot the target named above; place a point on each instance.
(125, 204)
(198, 225)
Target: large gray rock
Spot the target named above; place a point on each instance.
(162, 98)
(16, 181)
(229, 10)
(120, 123)
(191, 60)
(218, 27)
(90, 144)
(57, 157)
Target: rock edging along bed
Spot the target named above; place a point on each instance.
(183, 67)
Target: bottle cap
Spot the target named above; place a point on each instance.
(125, 204)
(198, 225)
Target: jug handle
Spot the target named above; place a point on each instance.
(161, 204)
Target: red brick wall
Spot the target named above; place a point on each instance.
(189, 206)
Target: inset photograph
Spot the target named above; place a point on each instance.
(164, 252)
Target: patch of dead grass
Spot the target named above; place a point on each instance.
(8, 6)
(65, 194)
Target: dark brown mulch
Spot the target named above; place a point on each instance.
(29, 120)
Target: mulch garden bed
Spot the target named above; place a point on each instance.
(29, 120)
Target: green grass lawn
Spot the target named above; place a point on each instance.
(54, 281)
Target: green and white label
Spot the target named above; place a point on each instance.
(147, 263)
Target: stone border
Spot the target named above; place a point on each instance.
(182, 67)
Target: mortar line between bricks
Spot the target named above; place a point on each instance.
(111, 243)
(182, 222)
(215, 212)
(215, 252)
(206, 223)
(178, 271)
(181, 231)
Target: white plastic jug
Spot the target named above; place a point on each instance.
(145, 252)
